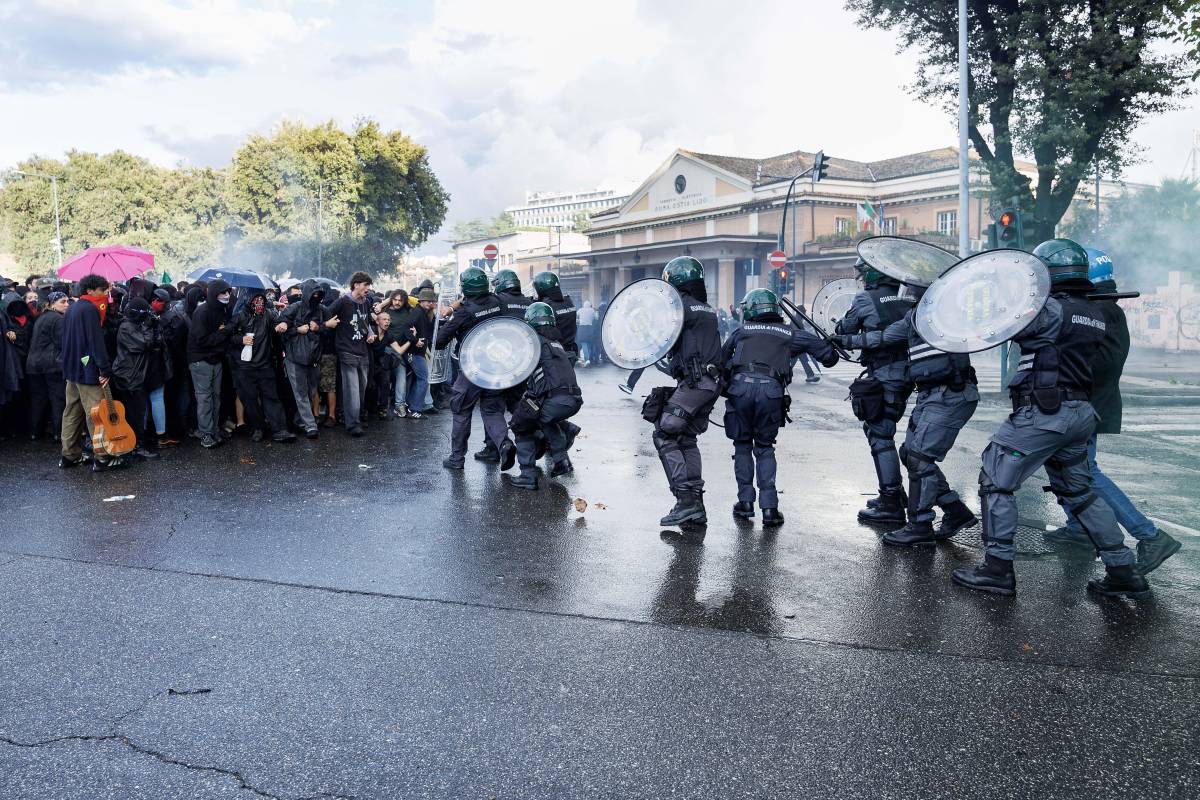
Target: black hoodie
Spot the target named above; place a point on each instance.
(208, 338)
(261, 325)
(305, 348)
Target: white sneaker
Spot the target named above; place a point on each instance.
(626, 388)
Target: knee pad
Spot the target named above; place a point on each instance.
(672, 422)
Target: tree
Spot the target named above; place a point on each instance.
(1064, 81)
(582, 221)
(479, 228)
(369, 195)
(1148, 232)
(113, 199)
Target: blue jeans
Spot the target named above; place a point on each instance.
(1127, 515)
(418, 388)
(399, 383)
(158, 410)
(584, 339)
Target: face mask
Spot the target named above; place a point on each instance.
(223, 299)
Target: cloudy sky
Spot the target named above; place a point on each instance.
(508, 96)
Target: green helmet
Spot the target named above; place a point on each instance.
(759, 303)
(544, 282)
(474, 282)
(539, 315)
(679, 271)
(1065, 259)
(506, 280)
(868, 273)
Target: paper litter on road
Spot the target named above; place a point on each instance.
(116, 498)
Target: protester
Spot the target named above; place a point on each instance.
(86, 367)
(43, 369)
(420, 402)
(254, 371)
(304, 318)
(208, 340)
(585, 319)
(353, 333)
(140, 371)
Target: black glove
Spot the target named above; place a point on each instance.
(848, 341)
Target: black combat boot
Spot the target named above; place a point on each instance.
(488, 454)
(772, 518)
(1151, 553)
(955, 517)
(743, 508)
(994, 575)
(563, 467)
(525, 480)
(689, 509)
(911, 535)
(874, 501)
(571, 430)
(1123, 581)
(890, 509)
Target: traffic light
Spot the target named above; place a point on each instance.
(1009, 229)
(820, 166)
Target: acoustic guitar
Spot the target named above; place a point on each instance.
(110, 432)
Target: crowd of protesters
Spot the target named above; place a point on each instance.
(209, 361)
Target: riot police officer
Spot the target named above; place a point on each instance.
(494, 404)
(947, 396)
(681, 414)
(1051, 423)
(757, 362)
(477, 305)
(545, 286)
(551, 395)
(886, 390)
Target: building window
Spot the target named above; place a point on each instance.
(947, 222)
(1153, 322)
(888, 227)
(843, 226)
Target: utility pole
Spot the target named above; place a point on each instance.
(1097, 233)
(964, 206)
(320, 192)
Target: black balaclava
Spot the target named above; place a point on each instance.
(137, 310)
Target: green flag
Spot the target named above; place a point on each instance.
(166, 278)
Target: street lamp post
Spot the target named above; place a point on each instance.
(57, 219)
(964, 205)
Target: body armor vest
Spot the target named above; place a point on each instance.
(929, 366)
(764, 348)
(513, 304)
(553, 372)
(480, 308)
(699, 342)
(889, 307)
(1067, 363)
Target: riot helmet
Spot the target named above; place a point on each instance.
(474, 282)
(539, 315)
(681, 270)
(869, 274)
(759, 303)
(506, 281)
(1100, 269)
(544, 282)
(1067, 262)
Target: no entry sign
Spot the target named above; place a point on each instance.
(777, 259)
(490, 252)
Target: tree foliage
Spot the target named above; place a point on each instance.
(1062, 81)
(378, 199)
(1148, 231)
(479, 228)
(112, 199)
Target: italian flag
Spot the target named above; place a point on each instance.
(866, 214)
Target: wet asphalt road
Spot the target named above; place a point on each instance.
(346, 618)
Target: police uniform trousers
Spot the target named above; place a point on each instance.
(1028, 439)
(753, 414)
(881, 434)
(937, 417)
(557, 408)
(463, 399)
(684, 418)
(493, 404)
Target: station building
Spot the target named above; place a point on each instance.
(728, 211)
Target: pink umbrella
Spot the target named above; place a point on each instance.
(116, 263)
